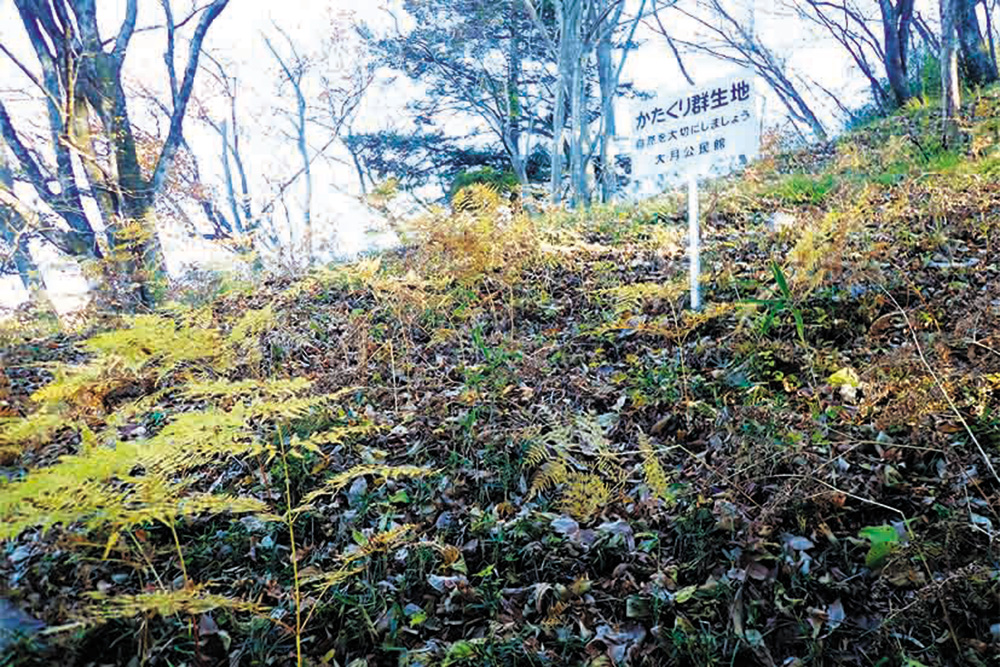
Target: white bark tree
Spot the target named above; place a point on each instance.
(582, 35)
(950, 83)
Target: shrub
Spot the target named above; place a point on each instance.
(505, 182)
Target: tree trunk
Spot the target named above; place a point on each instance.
(512, 138)
(896, 33)
(563, 77)
(605, 74)
(989, 35)
(307, 175)
(976, 62)
(950, 93)
(578, 111)
(227, 173)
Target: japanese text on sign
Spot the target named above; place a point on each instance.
(694, 105)
(710, 130)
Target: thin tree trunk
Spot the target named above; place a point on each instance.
(989, 34)
(307, 174)
(518, 159)
(227, 172)
(357, 163)
(563, 76)
(605, 76)
(577, 112)
(950, 93)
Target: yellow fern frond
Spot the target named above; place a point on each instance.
(158, 340)
(341, 434)
(192, 600)
(289, 409)
(83, 387)
(224, 389)
(585, 496)
(551, 474)
(131, 482)
(536, 454)
(377, 543)
(635, 297)
(553, 617)
(193, 439)
(656, 478)
(252, 323)
(477, 197)
(37, 428)
(244, 338)
(382, 542)
(326, 580)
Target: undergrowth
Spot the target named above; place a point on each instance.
(510, 442)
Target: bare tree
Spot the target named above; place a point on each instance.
(735, 41)
(896, 19)
(294, 68)
(850, 25)
(81, 79)
(236, 181)
(930, 40)
(583, 31)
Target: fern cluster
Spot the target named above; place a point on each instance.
(129, 483)
(481, 237)
(109, 486)
(577, 459)
(635, 297)
(476, 198)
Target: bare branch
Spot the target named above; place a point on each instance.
(126, 31)
(168, 56)
(173, 140)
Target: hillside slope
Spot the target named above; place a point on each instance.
(511, 444)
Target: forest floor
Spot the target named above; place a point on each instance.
(512, 444)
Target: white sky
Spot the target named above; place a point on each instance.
(237, 38)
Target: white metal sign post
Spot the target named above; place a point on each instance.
(705, 131)
(694, 243)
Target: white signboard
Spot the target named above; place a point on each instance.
(706, 130)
